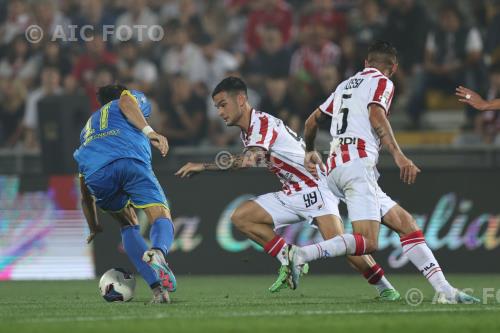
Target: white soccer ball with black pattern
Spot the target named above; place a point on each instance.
(117, 285)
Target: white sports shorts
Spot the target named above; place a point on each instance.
(300, 206)
(356, 183)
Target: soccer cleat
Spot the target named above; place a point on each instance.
(282, 281)
(297, 269)
(389, 295)
(156, 260)
(160, 298)
(458, 297)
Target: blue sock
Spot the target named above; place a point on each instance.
(135, 246)
(162, 234)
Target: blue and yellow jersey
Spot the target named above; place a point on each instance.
(109, 136)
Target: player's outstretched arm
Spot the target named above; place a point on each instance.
(251, 157)
(473, 99)
(312, 157)
(89, 210)
(130, 109)
(381, 125)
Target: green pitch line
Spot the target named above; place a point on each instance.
(243, 304)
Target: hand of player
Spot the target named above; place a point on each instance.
(408, 170)
(159, 142)
(470, 97)
(190, 169)
(311, 160)
(97, 229)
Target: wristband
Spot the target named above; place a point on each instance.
(147, 129)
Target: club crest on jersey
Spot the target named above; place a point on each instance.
(384, 98)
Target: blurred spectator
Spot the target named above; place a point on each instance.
(137, 14)
(406, 28)
(274, 57)
(278, 103)
(93, 13)
(133, 67)
(323, 12)
(215, 62)
(190, 18)
(13, 95)
(18, 63)
(368, 28)
(185, 114)
(53, 56)
(452, 51)
(18, 19)
(307, 62)
(50, 19)
(50, 85)
(489, 121)
(264, 12)
(328, 80)
(492, 43)
(236, 23)
(183, 57)
(315, 53)
(84, 69)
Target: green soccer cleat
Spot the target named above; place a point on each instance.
(389, 295)
(296, 269)
(282, 281)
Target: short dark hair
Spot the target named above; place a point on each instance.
(382, 53)
(109, 93)
(230, 84)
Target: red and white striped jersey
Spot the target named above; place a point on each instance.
(352, 132)
(285, 151)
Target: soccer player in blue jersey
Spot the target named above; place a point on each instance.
(114, 161)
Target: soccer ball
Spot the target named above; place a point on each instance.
(117, 285)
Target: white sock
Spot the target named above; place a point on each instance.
(341, 245)
(415, 248)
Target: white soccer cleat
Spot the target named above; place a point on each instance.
(457, 297)
(297, 266)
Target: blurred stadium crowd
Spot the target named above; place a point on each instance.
(291, 53)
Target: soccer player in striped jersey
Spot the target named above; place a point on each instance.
(269, 142)
(358, 111)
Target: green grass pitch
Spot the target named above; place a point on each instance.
(323, 303)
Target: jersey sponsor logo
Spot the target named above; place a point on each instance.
(348, 141)
(354, 83)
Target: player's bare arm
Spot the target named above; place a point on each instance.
(131, 110)
(312, 157)
(89, 210)
(383, 129)
(473, 99)
(251, 157)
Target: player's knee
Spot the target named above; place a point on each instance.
(407, 222)
(155, 212)
(240, 218)
(371, 245)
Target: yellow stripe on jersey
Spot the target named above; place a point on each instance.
(104, 117)
(127, 92)
(88, 128)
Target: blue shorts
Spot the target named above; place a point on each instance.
(126, 182)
